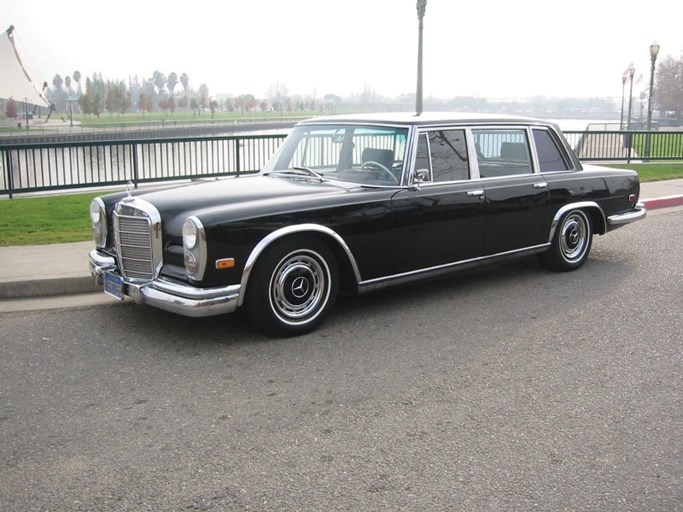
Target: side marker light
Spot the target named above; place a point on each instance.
(225, 263)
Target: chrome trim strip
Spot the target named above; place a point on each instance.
(621, 219)
(290, 230)
(573, 206)
(406, 277)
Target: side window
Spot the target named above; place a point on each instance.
(422, 157)
(444, 154)
(550, 157)
(449, 155)
(502, 152)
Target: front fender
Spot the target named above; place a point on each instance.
(289, 231)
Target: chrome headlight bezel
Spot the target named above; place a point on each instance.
(194, 248)
(98, 220)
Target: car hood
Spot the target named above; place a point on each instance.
(235, 198)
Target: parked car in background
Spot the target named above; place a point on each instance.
(354, 204)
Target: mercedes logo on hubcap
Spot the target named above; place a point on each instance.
(300, 287)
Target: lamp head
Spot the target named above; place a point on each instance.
(654, 50)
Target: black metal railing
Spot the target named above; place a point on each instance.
(37, 167)
(55, 166)
(626, 145)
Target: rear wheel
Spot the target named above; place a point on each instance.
(571, 243)
(292, 287)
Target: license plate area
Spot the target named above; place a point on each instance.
(113, 286)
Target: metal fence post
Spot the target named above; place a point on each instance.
(8, 169)
(134, 156)
(238, 162)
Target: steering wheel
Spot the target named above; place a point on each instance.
(371, 164)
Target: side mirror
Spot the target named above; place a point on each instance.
(419, 176)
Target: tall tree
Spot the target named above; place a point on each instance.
(58, 95)
(171, 82)
(185, 82)
(668, 95)
(277, 94)
(159, 80)
(204, 96)
(58, 81)
(77, 79)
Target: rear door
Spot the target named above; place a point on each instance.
(516, 198)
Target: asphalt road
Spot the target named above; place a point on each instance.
(506, 389)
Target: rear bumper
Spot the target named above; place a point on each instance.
(621, 219)
(168, 295)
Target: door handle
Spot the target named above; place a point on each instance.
(540, 185)
(475, 193)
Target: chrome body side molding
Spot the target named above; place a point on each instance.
(448, 268)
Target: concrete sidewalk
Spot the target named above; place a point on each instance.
(62, 269)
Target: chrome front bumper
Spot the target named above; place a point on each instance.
(175, 297)
(638, 213)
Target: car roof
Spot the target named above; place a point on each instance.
(424, 119)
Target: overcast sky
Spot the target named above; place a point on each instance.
(492, 48)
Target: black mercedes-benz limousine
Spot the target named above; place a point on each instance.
(357, 203)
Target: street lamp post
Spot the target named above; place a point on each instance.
(623, 93)
(654, 50)
(421, 6)
(631, 72)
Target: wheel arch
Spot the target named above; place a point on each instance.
(349, 273)
(590, 208)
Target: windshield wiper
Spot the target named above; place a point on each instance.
(298, 172)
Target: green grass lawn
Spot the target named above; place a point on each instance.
(655, 171)
(65, 217)
(45, 220)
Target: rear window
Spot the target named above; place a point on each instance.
(550, 156)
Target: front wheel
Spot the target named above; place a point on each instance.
(571, 243)
(292, 288)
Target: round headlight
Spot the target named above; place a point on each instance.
(95, 212)
(98, 219)
(189, 234)
(190, 263)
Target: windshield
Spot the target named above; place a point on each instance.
(369, 155)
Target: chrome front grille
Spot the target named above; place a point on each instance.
(135, 247)
(138, 239)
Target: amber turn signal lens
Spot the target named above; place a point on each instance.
(225, 263)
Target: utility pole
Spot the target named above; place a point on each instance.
(421, 6)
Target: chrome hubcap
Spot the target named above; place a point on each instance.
(574, 237)
(299, 287)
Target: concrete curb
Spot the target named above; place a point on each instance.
(48, 287)
(663, 202)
